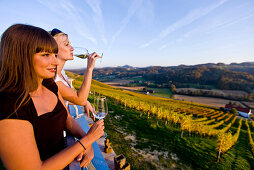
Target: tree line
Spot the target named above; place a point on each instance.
(206, 76)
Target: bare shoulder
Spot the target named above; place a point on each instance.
(17, 142)
(11, 129)
(8, 126)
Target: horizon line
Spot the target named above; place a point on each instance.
(162, 66)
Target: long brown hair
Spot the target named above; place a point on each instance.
(18, 45)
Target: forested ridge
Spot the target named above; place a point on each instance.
(226, 77)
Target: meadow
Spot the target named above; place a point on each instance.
(159, 133)
(165, 92)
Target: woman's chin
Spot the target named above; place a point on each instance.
(70, 58)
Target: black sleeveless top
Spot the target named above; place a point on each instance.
(48, 128)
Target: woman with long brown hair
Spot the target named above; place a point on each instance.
(32, 112)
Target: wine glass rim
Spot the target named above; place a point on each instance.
(78, 49)
(103, 97)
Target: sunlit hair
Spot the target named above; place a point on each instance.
(57, 37)
(19, 43)
(60, 34)
(56, 33)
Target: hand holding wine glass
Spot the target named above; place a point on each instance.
(97, 130)
(83, 53)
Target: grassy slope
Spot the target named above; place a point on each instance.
(161, 92)
(239, 157)
(195, 152)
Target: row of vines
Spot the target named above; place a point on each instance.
(190, 117)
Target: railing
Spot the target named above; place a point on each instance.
(98, 161)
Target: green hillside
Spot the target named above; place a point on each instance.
(159, 133)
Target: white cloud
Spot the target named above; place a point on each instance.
(136, 4)
(95, 5)
(186, 20)
(232, 21)
(145, 14)
(66, 9)
(162, 47)
(210, 28)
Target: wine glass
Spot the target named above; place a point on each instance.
(82, 52)
(100, 109)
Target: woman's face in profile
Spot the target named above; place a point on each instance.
(45, 65)
(65, 50)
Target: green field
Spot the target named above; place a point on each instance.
(152, 139)
(161, 92)
(189, 152)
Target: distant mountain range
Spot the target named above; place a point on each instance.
(245, 66)
(234, 76)
(127, 66)
(248, 65)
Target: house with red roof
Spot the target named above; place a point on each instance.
(242, 111)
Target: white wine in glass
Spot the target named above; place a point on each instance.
(100, 109)
(81, 52)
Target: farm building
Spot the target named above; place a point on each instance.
(149, 91)
(244, 112)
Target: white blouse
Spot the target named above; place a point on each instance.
(65, 82)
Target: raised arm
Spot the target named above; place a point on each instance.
(81, 96)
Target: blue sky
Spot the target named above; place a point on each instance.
(145, 32)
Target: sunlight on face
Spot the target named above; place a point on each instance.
(45, 64)
(65, 50)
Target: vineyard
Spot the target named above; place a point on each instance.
(221, 139)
